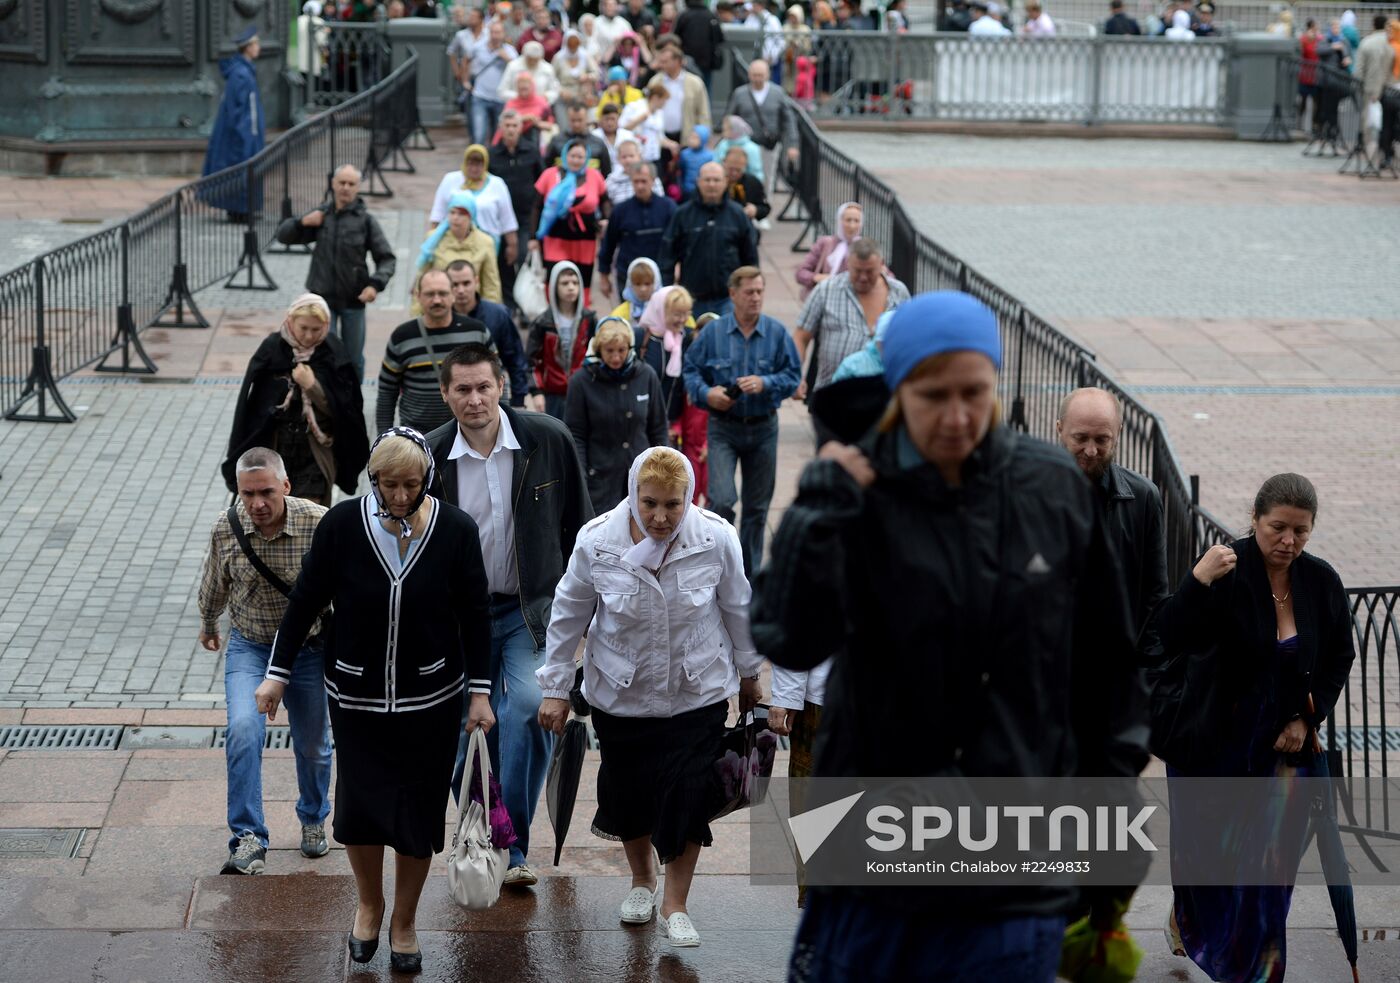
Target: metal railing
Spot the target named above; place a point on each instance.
(1318, 99)
(349, 58)
(89, 300)
(1040, 364)
(1365, 726)
(1098, 79)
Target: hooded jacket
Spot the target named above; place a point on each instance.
(980, 631)
(548, 361)
(265, 386)
(709, 242)
(338, 269)
(613, 417)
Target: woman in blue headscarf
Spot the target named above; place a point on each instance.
(969, 562)
(457, 237)
(568, 229)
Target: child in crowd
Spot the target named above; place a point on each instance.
(738, 133)
(644, 120)
(619, 182)
(693, 156)
(559, 340)
(643, 277)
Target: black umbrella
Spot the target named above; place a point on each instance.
(565, 769)
(1334, 858)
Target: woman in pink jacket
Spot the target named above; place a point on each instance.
(828, 255)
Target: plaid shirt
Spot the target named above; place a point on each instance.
(834, 316)
(255, 607)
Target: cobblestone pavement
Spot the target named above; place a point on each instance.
(1244, 292)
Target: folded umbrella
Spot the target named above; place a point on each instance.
(1333, 856)
(561, 787)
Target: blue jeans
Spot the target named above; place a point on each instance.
(753, 447)
(721, 307)
(846, 938)
(486, 116)
(349, 326)
(520, 748)
(245, 664)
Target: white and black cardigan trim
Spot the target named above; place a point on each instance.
(399, 640)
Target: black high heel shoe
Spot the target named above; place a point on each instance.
(404, 962)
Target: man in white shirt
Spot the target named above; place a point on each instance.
(986, 25)
(517, 474)
(607, 29)
(1038, 23)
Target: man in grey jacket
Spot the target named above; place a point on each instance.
(769, 111)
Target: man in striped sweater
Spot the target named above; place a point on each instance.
(408, 377)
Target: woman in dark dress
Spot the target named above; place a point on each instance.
(1265, 630)
(302, 398)
(400, 566)
(615, 410)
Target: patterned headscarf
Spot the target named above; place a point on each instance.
(405, 530)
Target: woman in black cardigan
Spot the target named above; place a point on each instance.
(410, 631)
(302, 398)
(1259, 645)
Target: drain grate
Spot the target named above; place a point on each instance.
(158, 738)
(1369, 738)
(34, 737)
(35, 844)
(278, 738)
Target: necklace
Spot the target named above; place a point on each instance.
(1280, 601)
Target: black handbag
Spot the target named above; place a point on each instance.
(1189, 705)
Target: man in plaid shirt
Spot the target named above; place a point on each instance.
(278, 528)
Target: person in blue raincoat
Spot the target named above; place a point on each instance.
(239, 129)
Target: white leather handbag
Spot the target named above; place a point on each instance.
(475, 869)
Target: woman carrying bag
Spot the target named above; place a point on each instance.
(667, 647)
(1259, 640)
(411, 634)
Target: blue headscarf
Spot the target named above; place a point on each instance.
(561, 198)
(934, 323)
(460, 199)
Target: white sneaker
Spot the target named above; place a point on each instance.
(639, 906)
(679, 930)
(521, 876)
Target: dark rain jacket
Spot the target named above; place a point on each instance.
(338, 268)
(613, 419)
(982, 631)
(709, 242)
(1135, 526)
(265, 386)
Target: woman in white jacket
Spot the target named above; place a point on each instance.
(667, 647)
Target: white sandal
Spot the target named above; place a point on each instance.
(639, 906)
(679, 930)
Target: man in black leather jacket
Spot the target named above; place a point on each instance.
(517, 474)
(1089, 425)
(344, 231)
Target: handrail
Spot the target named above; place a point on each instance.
(90, 299)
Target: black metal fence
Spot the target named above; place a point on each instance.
(89, 300)
(1319, 99)
(1365, 726)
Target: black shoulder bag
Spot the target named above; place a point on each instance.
(262, 568)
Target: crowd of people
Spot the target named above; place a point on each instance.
(555, 472)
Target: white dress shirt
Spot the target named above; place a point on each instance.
(483, 492)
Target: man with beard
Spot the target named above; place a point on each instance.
(1089, 425)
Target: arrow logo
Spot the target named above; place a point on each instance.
(810, 829)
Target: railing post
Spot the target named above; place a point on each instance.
(1097, 43)
(286, 211)
(1018, 399)
(41, 384)
(251, 257)
(126, 337)
(178, 294)
(1195, 480)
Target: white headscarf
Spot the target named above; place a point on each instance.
(650, 552)
(838, 255)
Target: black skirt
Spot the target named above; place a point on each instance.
(657, 777)
(393, 775)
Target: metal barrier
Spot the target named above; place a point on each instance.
(1098, 79)
(89, 300)
(350, 58)
(1040, 364)
(1323, 101)
(1362, 729)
